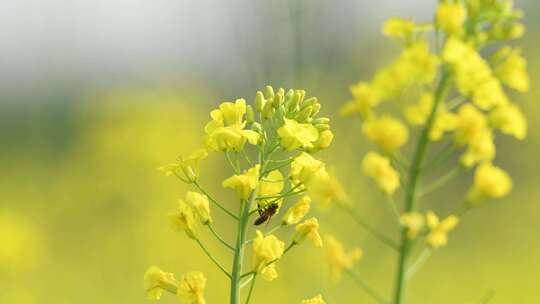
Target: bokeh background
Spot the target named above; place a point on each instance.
(94, 95)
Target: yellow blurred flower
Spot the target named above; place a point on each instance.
(315, 300)
(512, 70)
(269, 273)
(339, 260)
(21, 243)
(266, 250)
(325, 189)
(450, 17)
(295, 135)
(365, 97)
(444, 121)
(417, 114)
(310, 229)
(509, 119)
(480, 149)
(156, 280)
(305, 168)
(271, 184)
(489, 182)
(323, 141)
(398, 28)
(387, 132)
(243, 184)
(183, 219)
(414, 222)
(438, 235)
(297, 212)
(191, 288)
(201, 206)
(378, 167)
(471, 123)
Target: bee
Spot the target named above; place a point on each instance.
(266, 213)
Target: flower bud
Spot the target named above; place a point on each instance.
(304, 114)
(309, 102)
(257, 127)
(295, 101)
(250, 115)
(322, 120)
(322, 127)
(277, 101)
(269, 92)
(316, 109)
(259, 101)
(268, 110)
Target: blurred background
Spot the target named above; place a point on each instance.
(94, 95)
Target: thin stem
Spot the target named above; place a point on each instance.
(251, 288)
(219, 237)
(448, 176)
(414, 176)
(420, 261)
(212, 258)
(362, 284)
(379, 235)
(392, 203)
(233, 166)
(214, 201)
(442, 157)
(488, 297)
(239, 249)
(246, 157)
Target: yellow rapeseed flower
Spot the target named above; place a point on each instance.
(509, 119)
(438, 235)
(378, 167)
(325, 189)
(414, 221)
(243, 184)
(338, 259)
(471, 123)
(305, 168)
(201, 206)
(295, 135)
(323, 141)
(365, 98)
(417, 114)
(310, 229)
(398, 28)
(183, 219)
(315, 300)
(266, 250)
(480, 149)
(450, 17)
(387, 132)
(512, 70)
(188, 166)
(489, 182)
(444, 121)
(297, 212)
(156, 280)
(191, 288)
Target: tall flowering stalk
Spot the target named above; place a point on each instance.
(450, 85)
(269, 146)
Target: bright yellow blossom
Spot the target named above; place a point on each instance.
(489, 182)
(243, 184)
(398, 28)
(509, 119)
(325, 189)
(266, 250)
(387, 132)
(444, 121)
(323, 141)
(297, 212)
(414, 221)
(269, 273)
(512, 71)
(310, 229)
(232, 113)
(187, 166)
(438, 235)
(471, 123)
(201, 206)
(305, 168)
(450, 17)
(480, 149)
(295, 135)
(191, 288)
(315, 300)
(417, 114)
(156, 280)
(378, 167)
(338, 259)
(183, 219)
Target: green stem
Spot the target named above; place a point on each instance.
(370, 291)
(219, 237)
(214, 201)
(233, 166)
(414, 176)
(251, 287)
(440, 181)
(420, 261)
(212, 258)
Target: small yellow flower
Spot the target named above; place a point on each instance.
(512, 71)
(295, 135)
(438, 235)
(309, 228)
(156, 280)
(323, 141)
(398, 28)
(489, 94)
(489, 182)
(191, 288)
(338, 259)
(315, 300)
(471, 123)
(233, 113)
(509, 119)
(414, 221)
(200, 205)
(417, 114)
(183, 219)
(325, 189)
(266, 250)
(297, 212)
(365, 98)
(387, 132)
(480, 149)
(444, 122)
(269, 273)
(378, 167)
(306, 168)
(450, 17)
(187, 166)
(243, 184)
